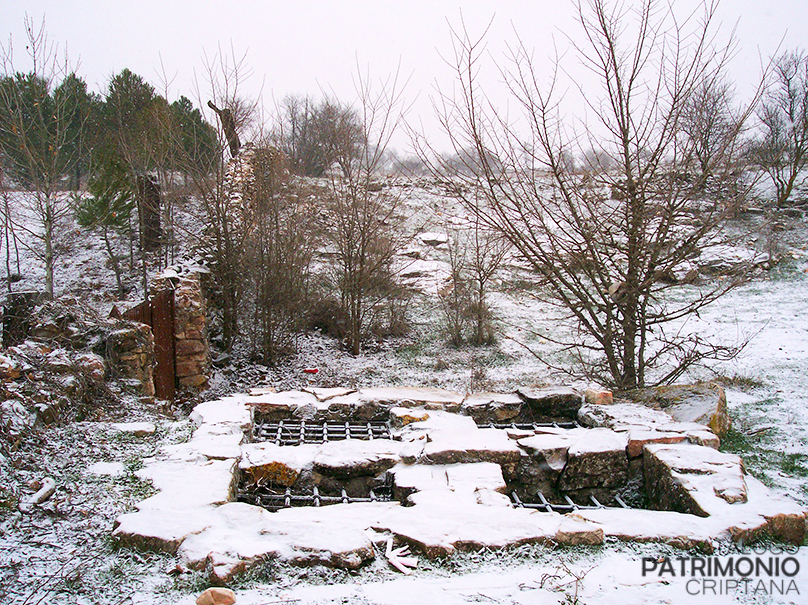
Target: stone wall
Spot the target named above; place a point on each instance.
(130, 351)
(192, 348)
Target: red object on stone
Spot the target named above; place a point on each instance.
(311, 370)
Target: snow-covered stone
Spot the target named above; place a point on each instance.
(552, 402)
(640, 437)
(492, 407)
(481, 445)
(703, 403)
(275, 463)
(400, 417)
(689, 478)
(452, 522)
(596, 459)
(354, 457)
(138, 429)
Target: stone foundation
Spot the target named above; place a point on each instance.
(450, 478)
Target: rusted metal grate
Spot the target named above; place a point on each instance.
(568, 506)
(294, 433)
(274, 499)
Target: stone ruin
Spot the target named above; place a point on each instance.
(327, 476)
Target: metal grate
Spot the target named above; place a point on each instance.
(294, 433)
(528, 426)
(569, 506)
(274, 499)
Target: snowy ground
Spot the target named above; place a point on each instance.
(63, 553)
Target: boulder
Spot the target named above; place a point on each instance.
(598, 397)
(702, 403)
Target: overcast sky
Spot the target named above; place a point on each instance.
(305, 47)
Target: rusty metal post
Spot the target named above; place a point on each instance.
(162, 316)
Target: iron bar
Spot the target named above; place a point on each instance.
(287, 432)
(570, 506)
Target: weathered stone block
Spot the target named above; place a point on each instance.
(560, 402)
(688, 478)
(596, 460)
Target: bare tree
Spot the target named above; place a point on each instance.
(783, 150)
(709, 124)
(278, 255)
(364, 216)
(316, 135)
(605, 244)
(475, 255)
(38, 133)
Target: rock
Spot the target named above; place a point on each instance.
(433, 239)
(483, 445)
(638, 438)
(492, 407)
(354, 457)
(267, 462)
(551, 403)
(217, 596)
(688, 478)
(92, 365)
(9, 368)
(703, 403)
(596, 459)
(400, 417)
(598, 397)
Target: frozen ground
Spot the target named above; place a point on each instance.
(63, 553)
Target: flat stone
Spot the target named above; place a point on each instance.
(453, 523)
(482, 445)
(355, 457)
(162, 530)
(639, 437)
(556, 402)
(492, 407)
(622, 416)
(409, 397)
(703, 403)
(281, 465)
(668, 527)
(596, 459)
(188, 483)
(245, 535)
(688, 478)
